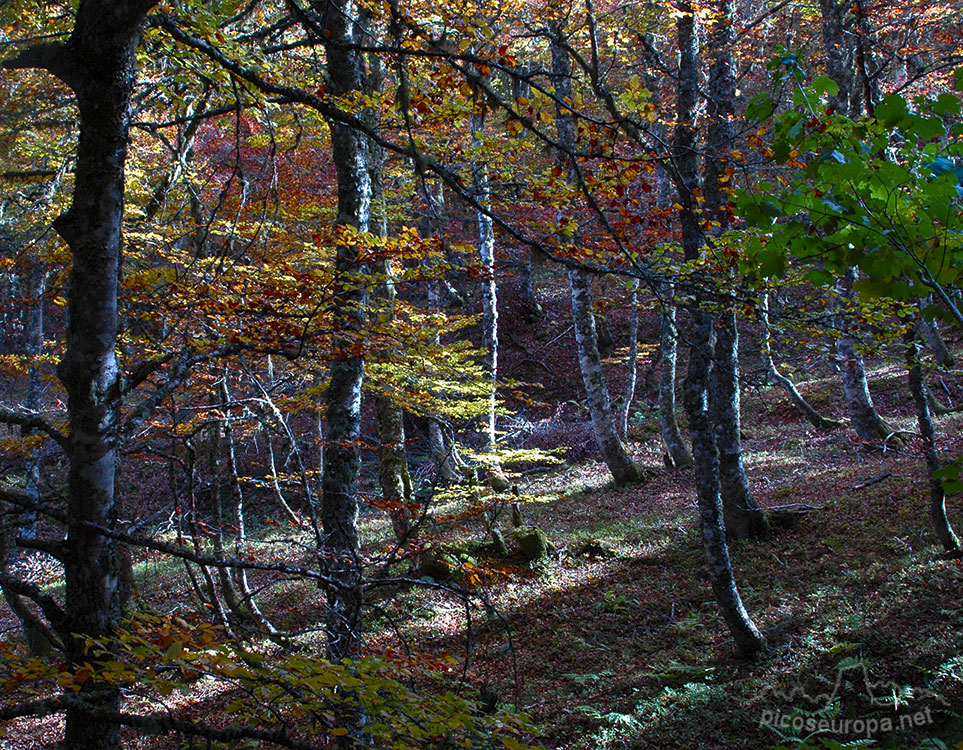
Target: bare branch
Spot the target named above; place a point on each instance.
(32, 421)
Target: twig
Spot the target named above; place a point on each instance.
(874, 480)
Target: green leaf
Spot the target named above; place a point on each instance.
(947, 104)
(891, 110)
(825, 85)
(772, 263)
(780, 151)
(818, 277)
(760, 108)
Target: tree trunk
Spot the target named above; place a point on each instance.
(837, 53)
(613, 452)
(623, 469)
(342, 464)
(393, 473)
(440, 447)
(633, 359)
(529, 291)
(244, 605)
(839, 67)
(677, 450)
(696, 390)
(866, 420)
(934, 340)
(37, 279)
(486, 251)
(744, 518)
(747, 636)
(98, 62)
(941, 524)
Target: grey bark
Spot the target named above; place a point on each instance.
(866, 94)
(221, 492)
(862, 413)
(712, 523)
(243, 604)
(529, 290)
(744, 518)
(489, 295)
(837, 53)
(440, 447)
(699, 332)
(621, 466)
(633, 359)
(941, 524)
(34, 348)
(98, 62)
(486, 251)
(342, 463)
(678, 451)
(934, 340)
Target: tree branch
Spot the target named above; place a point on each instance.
(32, 421)
(47, 56)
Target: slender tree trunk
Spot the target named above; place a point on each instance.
(941, 524)
(696, 391)
(246, 606)
(489, 296)
(393, 473)
(837, 52)
(623, 469)
(342, 464)
(934, 340)
(34, 340)
(440, 447)
(747, 636)
(613, 451)
(529, 291)
(868, 89)
(813, 417)
(486, 251)
(744, 518)
(221, 492)
(862, 413)
(633, 358)
(677, 451)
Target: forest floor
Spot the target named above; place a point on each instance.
(613, 640)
